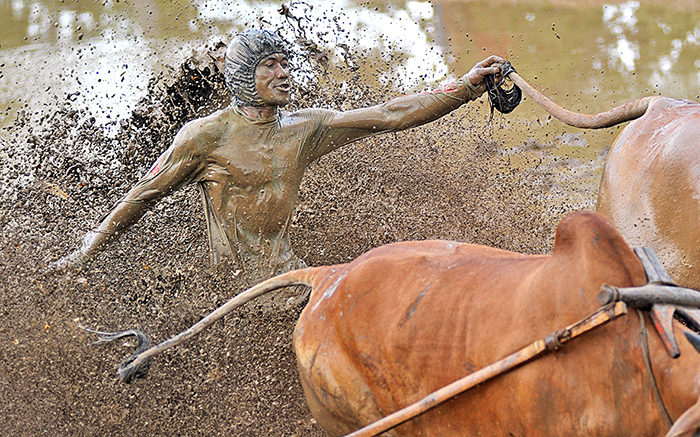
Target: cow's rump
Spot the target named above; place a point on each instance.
(651, 185)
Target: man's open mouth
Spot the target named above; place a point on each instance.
(285, 87)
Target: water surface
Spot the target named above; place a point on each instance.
(587, 56)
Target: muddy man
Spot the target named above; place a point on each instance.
(248, 159)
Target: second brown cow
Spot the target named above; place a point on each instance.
(651, 185)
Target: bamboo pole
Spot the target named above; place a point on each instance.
(534, 350)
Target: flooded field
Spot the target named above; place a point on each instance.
(92, 92)
(587, 56)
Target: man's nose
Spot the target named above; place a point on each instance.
(282, 72)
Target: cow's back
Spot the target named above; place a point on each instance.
(406, 319)
(651, 186)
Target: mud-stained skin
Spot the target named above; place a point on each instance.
(651, 186)
(359, 359)
(248, 162)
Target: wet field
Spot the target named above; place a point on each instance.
(91, 93)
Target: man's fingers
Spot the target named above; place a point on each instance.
(482, 72)
(491, 65)
(56, 267)
(74, 260)
(493, 59)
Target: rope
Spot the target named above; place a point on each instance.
(504, 100)
(647, 361)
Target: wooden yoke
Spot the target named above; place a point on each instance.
(662, 296)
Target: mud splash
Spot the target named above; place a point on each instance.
(61, 171)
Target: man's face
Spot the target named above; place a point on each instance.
(272, 80)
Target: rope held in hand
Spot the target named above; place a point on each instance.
(504, 100)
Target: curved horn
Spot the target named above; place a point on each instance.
(625, 112)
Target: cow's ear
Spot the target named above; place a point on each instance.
(693, 338)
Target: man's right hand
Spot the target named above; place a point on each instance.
(79, 258)
(476, 76)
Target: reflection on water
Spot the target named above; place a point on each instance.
(103, 54)
(587, 56)
(400, 35)
(620, 19)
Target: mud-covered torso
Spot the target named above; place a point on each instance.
(249, 170)
(250, 185)
(253, 172)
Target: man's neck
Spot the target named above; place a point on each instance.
(259, 111)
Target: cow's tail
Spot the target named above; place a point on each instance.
(137, 364)
(625, 112)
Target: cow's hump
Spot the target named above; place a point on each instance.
(588, 236)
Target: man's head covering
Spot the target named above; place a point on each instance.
(244, 53)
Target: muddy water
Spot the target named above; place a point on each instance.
(587, 56)
(67, 157)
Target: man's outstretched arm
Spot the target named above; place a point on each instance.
(409, 111)
(176, 167)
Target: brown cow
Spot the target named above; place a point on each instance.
(651, 185)
(406, 319)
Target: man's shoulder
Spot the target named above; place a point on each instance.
(209, 126)
(312, 115)
(215, 119)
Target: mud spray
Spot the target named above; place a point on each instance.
(61, 171)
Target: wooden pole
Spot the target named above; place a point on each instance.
(534, 350)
